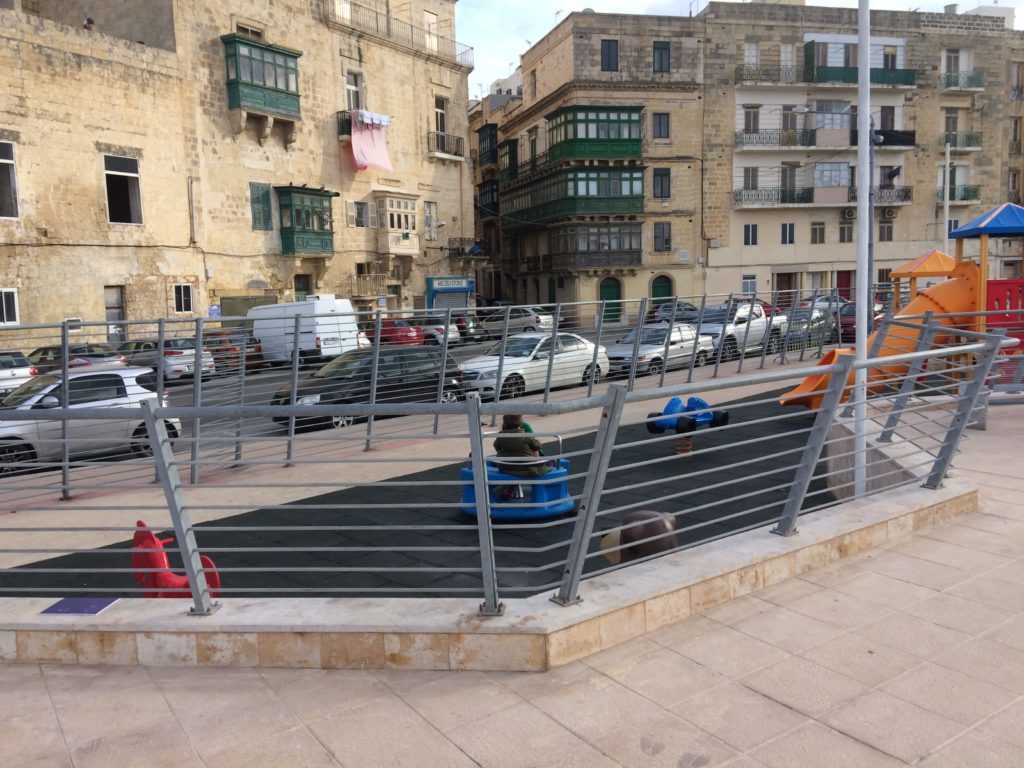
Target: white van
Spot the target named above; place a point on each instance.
(327, 328)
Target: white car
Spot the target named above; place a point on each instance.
(520, 319)
(435, 330)
(15, 370)
(524, 360)
(24, 442)
(683, 348)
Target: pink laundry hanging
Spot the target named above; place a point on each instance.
(369, 141)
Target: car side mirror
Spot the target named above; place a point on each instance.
(48, 402)
(740, 320)
(541, 356)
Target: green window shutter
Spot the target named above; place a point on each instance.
(259, 197)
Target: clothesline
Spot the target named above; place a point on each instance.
(370, 118)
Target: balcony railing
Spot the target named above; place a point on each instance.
(344, 124)
(775, 138)
(886, 195)
(445, 144)
(579, 149)
(746, 73)
(774, 196)
(960, 193)
(962, 80)
(569, 206)
(346, 14)
(889, 138)
(369, 285)
(599, 260)
(488, 157)
(849, 75)
(961, 139)
(398, 243)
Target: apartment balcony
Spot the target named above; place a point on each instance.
(346, 15)
(488, 157)
(367, 286)
(574, 206)
(890, 139)
(577, 149)
(769, 197)
(598, 260)
(446, 146)
(961, 141)
(747, 73)
(848, 75)
(774, 139)
(398, 243)
(962, 81)
(886, 195)
(961, 193)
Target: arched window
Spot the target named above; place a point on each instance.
(661, 287)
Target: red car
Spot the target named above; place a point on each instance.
(397, 330)
(846, 323)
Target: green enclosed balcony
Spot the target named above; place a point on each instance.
(307, 221)
(962, 81)
(573, 206)
(574, 191)
(819, 74)
(262, 78)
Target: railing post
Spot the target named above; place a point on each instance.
(667, 349)
(746, 333)
(65, 396)
(241, 396)
(815, 443)
(964, 408)
(197, 398)
(721, 335)
(183, 531)
(294, 389)
(924, 341)
(636, 343)
(374, 366)
(700, 322)
(597, 348)
(586, 515)
(771, 329)
(444, 366)
(807, 328)
(552, 351)
(501, 360)
(491, 606)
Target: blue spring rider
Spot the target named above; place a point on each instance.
(537, 498)
(684, 417)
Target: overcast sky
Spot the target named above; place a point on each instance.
(499, 31)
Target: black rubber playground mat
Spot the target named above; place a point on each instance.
(396, 554)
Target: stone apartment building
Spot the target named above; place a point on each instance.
(743, 167)
(179, 157)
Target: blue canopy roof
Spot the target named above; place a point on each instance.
(1006, 219)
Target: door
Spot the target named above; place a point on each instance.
(785, 284)
(661, 288)
(552, 293)
(844, 283)
(113, 300)
(611, 292)
(421, 369)
(303, 286)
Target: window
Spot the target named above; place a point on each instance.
(750, 178)
(750, 234)
(183, 297)
(124, 203)
(751, 54)
(249, 31)
(1012, 180)
(887, 118)
(396, 214)
(889, 57)
(787, 61)
(788, 118)
(748, 284)
(533, 83)
(751, 118)
(846, 232)
(593, 123)
(885, 231)
(952, 60)
(662, 182)
(953, 224)
(94, 389)
(606, 237)
(440, 114)
(662, 56)
(1014, 133)
(8, 184)
(659, 125)
(609, 55)
(886, 174)
(831, 175)
(662, 236)
(817, 232)
(361, 214)
(260, 64)
(951, 120)
(788, 233)
(354, 90)
(8, 306)
(259, 202)
(850, 55)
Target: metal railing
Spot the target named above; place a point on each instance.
(748, 73)
(774, 196)
(886, 195)
(960, 193)
(775, 137)
(320, 514)
(445, 144)
(961, 139)
(962, 80)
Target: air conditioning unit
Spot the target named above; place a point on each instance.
(848, 214)
(888, 213)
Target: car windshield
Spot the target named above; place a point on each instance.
(179, 344)
(27, 391)
(537, 311)
(343, 366)
(715, 316)
(13, 360)
(801, 315)
(516, 346)
(848, 310)
(650, 336)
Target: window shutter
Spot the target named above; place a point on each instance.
(350, 211)
(262, 212)
(372, 216)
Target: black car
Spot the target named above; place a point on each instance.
(469, 327)
(809, 327)
(404, 375)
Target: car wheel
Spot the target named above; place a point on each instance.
(140, 444)
(586, 374)
(513, 387)
(773, 343)
(654, 367)
(702, 359)
(528, 329)
(449, 396)
(12, 454)
(731, 351)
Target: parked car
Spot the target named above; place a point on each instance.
(523, 319)
(809, 327)
(227, 344)
(178, 359)
(469, 326)
(48, 359)
(684, 312)
(15, 370)
(435, 330)
(404, 375)
(742, 326)
(394, 330)
(24, 442)
(829, 302)
(845, 327)
(650, 355)
(524, 360)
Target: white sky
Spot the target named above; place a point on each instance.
(501, 30)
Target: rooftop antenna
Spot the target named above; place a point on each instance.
(557, 14)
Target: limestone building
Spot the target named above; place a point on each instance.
(660, 155)
(170, 157)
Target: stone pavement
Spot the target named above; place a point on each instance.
(911, 654)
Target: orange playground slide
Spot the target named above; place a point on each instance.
(958, 294)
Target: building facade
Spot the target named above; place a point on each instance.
(717, 154)
(178, 158)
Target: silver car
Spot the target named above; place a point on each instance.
(15, 370)
(650, 355)
(25, 441)
(178, 359)
(520, 319)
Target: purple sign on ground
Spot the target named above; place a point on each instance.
(81, 606)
